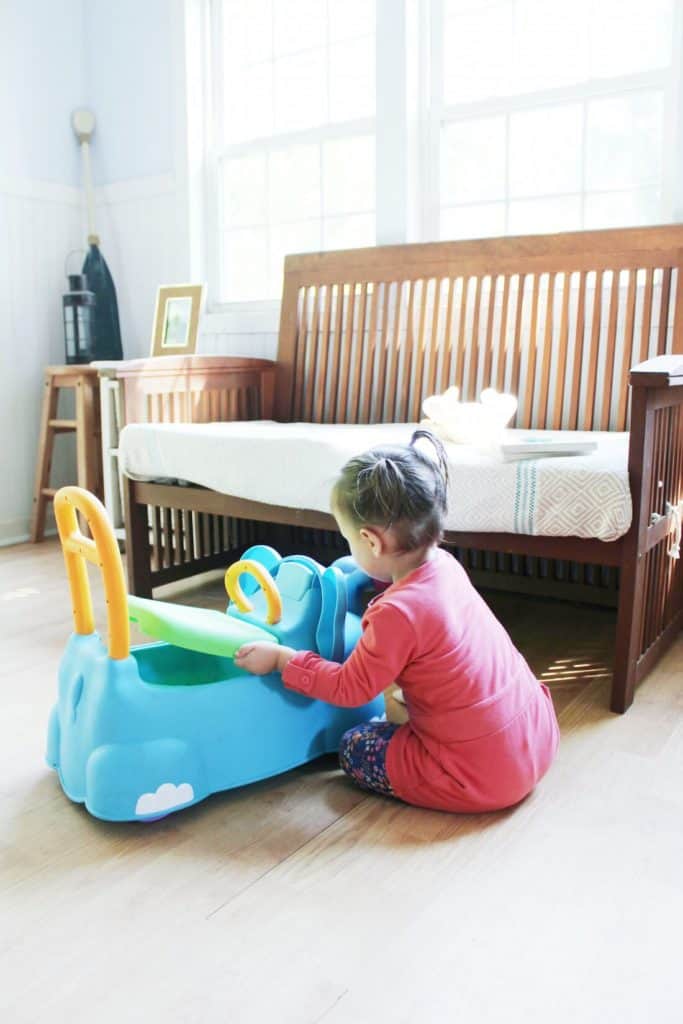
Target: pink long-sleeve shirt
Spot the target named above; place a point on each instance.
(482, 729)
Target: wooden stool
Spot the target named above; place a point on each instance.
(84, 380)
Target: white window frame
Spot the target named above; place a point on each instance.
(396, 165)
(437, 114)
(407, 135)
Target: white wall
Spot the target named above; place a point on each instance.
(117, 60)
(130, 86)
(139, 158)
(123, 60)
(42, 62)
(41, 57)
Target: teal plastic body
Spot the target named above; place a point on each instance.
(142, 737)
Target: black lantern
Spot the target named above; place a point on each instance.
(79, 317)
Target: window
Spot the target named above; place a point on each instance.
(294, 135)
(548, 116)
(335, 123)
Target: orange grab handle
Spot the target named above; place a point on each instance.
(103, 552)
(266, 581)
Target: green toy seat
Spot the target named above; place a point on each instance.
(195, 629)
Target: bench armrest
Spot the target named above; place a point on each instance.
(195, 389)
(659, 372)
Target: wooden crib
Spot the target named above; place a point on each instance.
(565, 321)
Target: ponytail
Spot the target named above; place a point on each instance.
(401, 487)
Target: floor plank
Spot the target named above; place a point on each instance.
(302, 900)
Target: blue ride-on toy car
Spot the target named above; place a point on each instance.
(138, 733)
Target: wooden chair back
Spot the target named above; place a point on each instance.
(558, 320)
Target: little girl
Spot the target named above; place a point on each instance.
(482, 730)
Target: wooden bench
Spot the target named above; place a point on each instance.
(365, 335)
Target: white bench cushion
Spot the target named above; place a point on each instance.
(295, 464)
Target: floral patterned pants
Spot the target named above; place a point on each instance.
(363, 752)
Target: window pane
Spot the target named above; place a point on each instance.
(349, 19)
(349, 175)
(247, 31)
(349, 232)
(292, 67)
(244, 265)
(624, 141)
(300, 91)
(481, 220)
(542, 216)
(297, 25)
(244, 190)
(628, 36)
(248, 103)
(533, 159)
(294, 183)
(477, 51)
(473, 160)
(352, 79)
(549, 44)
(302, 236)
(545, 151)
(623, 209)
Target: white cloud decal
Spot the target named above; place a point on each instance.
(166, 798)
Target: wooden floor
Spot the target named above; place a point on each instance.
(302, 900)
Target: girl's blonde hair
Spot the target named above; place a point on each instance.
(397, 486)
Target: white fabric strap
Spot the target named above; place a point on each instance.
(676, 513)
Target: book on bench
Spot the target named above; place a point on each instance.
(543, 447)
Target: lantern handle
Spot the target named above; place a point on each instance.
(66, 259)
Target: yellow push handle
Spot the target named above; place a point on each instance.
(265, 580)
(103, 552)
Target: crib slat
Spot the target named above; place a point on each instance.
(321, 381)
(415, 392)
(517, 345)
(611, 344)
(562, 355)
(384, 341)
(344, 370)
(300, 351)
(664, 311)
(168, 538)
(488, 341)
(435, 342)
(593, 353)
(447, 362)
(541, 406)
(370, 348)
(647, 316)
(527, 413)
(409, 349)
(579, 348)
(473, 346)
(459, 353)
(395, 352)
(332, 401)
(358, 356)
(313, 356)
(628, 343)
(502, 344)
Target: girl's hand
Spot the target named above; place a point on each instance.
(262, 657)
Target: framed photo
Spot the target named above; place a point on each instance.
(176, 319)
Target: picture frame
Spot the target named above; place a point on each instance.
(176, 319)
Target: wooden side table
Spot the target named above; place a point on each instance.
(83, 380)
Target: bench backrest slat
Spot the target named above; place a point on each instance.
(558, 320)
